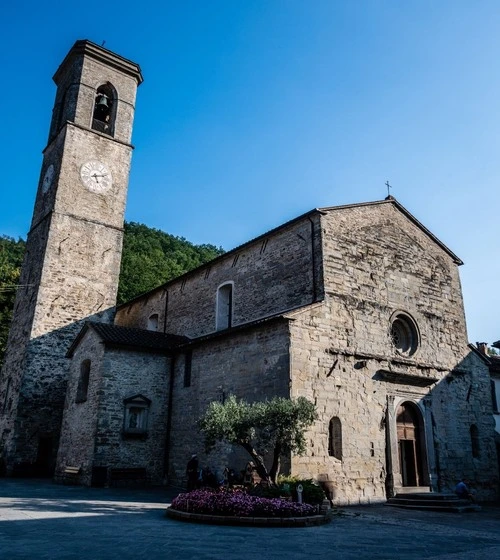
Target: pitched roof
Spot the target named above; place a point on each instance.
(403, 210)
(320, 211)
(114, 335)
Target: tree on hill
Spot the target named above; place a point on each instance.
(151, 258)
(11, 258)
(273, 427)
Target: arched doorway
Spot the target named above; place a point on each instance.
(410, 444)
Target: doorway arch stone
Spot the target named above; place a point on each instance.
(407, 457)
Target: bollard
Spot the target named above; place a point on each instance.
(300, 489)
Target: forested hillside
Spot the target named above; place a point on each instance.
(11, 258)
(150, 258)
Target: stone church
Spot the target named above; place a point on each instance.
(358, 308)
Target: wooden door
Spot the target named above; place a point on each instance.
(409, 444)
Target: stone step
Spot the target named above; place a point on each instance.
(442, 507)
(433, 496)
(432, 501)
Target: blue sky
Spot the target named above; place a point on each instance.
(253, 112)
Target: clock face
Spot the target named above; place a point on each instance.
(48, 178)
(96, 176)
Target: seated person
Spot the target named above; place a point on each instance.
(462, 490)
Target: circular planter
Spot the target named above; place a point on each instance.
(306, 521)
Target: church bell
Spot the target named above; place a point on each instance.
(102, 103)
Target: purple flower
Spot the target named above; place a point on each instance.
(239, 504)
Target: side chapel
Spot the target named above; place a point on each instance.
(358, 308)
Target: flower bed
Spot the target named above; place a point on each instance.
(238, 503)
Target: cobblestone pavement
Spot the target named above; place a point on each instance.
(40, 520)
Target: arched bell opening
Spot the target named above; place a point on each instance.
(104, 113)
(411, 445)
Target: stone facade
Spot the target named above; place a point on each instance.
(286, 261)
(252, 363)
(93, 432)
(72, 261)
(358, 308)
(372, 263)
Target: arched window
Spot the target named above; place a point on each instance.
(104, 114)
(474, 439)
(224, 314)
(83, 382)
(335, 438)
(153, 322)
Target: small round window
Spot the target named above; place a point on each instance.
(404, 334)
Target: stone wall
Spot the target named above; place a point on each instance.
(93, 431)
(72, 263)
(124, 375)
(252, 364)
(341, 386)
(460, 401)
(16, 353)
(270, 275)
(79, 422)
(377, 262)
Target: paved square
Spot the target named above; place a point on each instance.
(40, 520)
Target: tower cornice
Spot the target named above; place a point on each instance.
(87, 48)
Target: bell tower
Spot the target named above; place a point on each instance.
(72, 263)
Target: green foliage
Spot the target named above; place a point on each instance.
(11, 257)
(231, 421)
(276, 426)
(284, 421)
(151, 258)
(312, 493)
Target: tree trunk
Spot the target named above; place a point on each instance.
(259, 462)
(275, 468)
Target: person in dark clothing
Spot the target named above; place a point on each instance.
(192, 472)
(463, 491)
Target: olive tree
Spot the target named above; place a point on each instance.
(273, 427)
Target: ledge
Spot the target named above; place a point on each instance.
(404, 378)
(307, 521)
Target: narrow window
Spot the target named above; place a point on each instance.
(474, 438)
(224, 307)
(83, 382)
(188, 359)
(335, 438)
(494, 396)
(103, 117)
(153, 322)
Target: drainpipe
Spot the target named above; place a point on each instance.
(166, 459)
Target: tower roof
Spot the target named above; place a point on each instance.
(84, 47)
